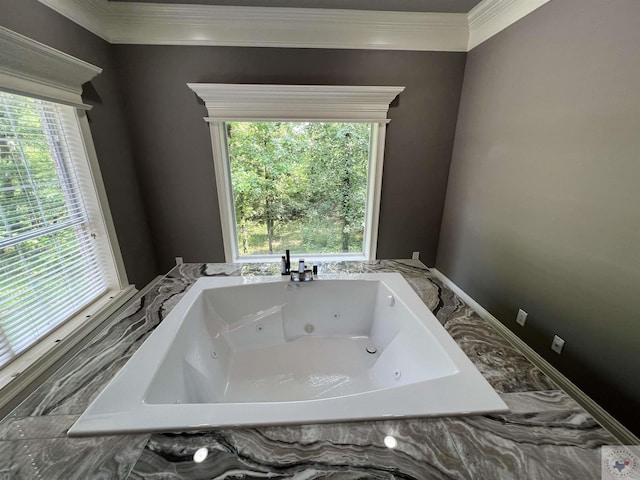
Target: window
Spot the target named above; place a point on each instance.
(60, 266)
(299, 185)
(298, 167)
(51, 264)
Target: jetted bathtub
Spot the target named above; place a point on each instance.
(265, 350)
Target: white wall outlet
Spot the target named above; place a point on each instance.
(179, 261)
(557, 344)
(521, 318)
(415, 256)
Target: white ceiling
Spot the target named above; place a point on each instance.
(439, 6)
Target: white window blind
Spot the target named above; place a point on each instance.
(52, 263)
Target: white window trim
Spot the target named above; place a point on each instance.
(33, 69)
(296, 103)
(36, 70)
(101, 200)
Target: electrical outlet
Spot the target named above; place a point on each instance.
(557, 344)
(415, 256)
(521, 318)
(179, 261)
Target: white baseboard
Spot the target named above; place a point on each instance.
(600, 414)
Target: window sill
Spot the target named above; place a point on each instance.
(27, 367)
(308, 257)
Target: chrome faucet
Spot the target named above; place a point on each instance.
(303, 274)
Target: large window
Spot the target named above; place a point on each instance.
(299, 185)
(298, 167)
(54, 259)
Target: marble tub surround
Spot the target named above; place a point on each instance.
(554, 444)
(65, 458)
(546, 435)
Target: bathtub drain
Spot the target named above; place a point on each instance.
(371, 350)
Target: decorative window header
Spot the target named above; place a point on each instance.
(296, 103)
(36, 70)
(326, 103)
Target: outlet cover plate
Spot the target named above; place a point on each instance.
(415, 256)
(557, 344)
(521, 318)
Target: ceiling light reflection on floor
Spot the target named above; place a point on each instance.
(390, 442)
(200, 455)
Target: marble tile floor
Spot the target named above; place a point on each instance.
(546, 435)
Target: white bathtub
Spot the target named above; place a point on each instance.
(264, 350)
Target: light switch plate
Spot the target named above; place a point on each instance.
(557, 344)
(521, 318)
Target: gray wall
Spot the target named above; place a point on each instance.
(543, 205)
(108, 126)
(173, 146)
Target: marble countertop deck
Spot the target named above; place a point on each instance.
(546, 435)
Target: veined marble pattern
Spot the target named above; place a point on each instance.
(351, 450)
(501, 364)
(44, 426)
(546, 435)
(70, 458)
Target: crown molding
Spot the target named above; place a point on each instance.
(143, 23)
(490, 17)
(32, 68)
(296, 102)
(90, 14)
(219, 25)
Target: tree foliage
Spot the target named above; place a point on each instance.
(301, 183)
